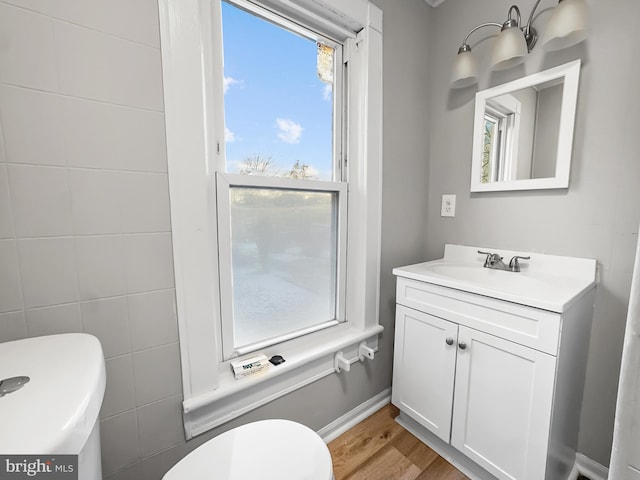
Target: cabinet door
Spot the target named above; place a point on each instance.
(502, 408)
(424, 369)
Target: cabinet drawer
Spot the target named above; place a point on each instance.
(535, 328)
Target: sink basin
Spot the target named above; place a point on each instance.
(546, 281)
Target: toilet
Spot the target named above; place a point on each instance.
(51, 391)
(265, 450)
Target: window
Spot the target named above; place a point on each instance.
(282, 102)
(501, 139)
(281, 259)
(302, 227)
(281, 241)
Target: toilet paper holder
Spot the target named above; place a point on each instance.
(340, 362)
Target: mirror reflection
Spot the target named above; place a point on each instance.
(521, 133)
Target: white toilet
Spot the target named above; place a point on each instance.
(265, 450)
(51, 390)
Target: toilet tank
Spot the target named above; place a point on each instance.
(51, 391)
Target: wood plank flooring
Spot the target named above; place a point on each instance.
(378, 448)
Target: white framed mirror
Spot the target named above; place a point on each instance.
(523, 132)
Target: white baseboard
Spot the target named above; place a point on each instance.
(355, 416)
(590, 468)
(574, 473)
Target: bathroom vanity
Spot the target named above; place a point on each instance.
(489, 364)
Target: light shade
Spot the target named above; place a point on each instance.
(465, 70)
(567, 25)
(509, 50)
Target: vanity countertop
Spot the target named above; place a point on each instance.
(548, 282)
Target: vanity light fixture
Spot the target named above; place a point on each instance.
(567, 26)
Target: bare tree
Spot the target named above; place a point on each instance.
(299, 171)
(257, 165)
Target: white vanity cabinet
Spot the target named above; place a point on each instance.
(490, 383)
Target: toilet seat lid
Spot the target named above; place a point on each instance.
(264, 450)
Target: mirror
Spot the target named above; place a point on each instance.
(523, 132)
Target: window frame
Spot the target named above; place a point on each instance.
(194, 122)
(225, 181)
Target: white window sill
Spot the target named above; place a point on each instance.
(306, 360)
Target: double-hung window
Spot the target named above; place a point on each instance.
(282, 197)
(273, 112)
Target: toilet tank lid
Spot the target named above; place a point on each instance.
(55, 411)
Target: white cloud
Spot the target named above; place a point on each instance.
(229, 136)
(228, 81)
(327, 91)
(289, 131)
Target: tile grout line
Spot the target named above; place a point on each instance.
(86, 27)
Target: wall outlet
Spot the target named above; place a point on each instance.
(448, 208)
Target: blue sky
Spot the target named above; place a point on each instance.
(275, 105)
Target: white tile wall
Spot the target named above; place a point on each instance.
(30, 59)
(41, 200)
(48, 271)
(10, 292)
(134, 20)
(144, 151)
(156, 373)
(145, 202)
(2, 147)
(108, 319)
(152, 319)
(95, 207)
(117, 137)
(156, 466)
(53, 320)
(149, 262)
(100, 67)
(120, 444)
(119, 395)
(132, 472)
(6, 219)
(12, 326)
(28, 115)
(85, 239)
(101, 269)
(160, 425)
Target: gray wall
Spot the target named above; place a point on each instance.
(84, 215)
(596, 218)
(545, 145)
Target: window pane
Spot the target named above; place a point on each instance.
(487, 150)
(278, 99)
(283, 261)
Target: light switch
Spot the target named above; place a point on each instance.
(448, 208)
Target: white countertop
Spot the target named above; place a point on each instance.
(548, 282)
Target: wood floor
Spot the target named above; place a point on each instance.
(380, 449)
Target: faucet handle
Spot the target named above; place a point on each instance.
(514, 265)
(486, 260)
(492, 258)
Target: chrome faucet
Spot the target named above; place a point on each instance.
(494, 261)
